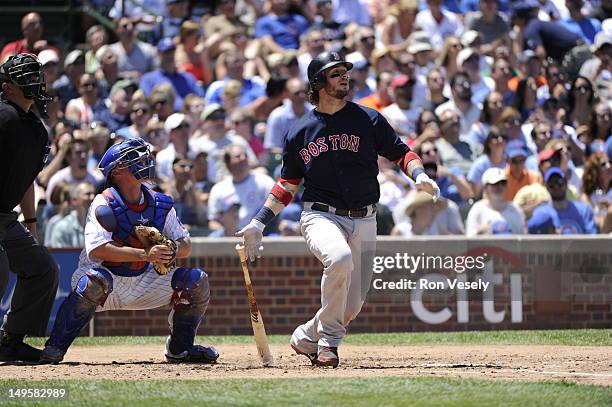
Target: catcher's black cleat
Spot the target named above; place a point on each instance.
(13, 349)
(51, 355)
(197, 354)
(19, 352)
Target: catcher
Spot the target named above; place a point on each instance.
(132, 238)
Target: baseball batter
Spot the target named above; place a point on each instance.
(115, 270)
(334, 150)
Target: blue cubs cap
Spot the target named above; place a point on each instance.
(165, 45)
(517, 152)
(542, 223)
(553, 171)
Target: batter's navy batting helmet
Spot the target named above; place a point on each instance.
(25, 71)
(322, 62)
(133, 154)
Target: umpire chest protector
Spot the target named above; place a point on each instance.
(120, 217)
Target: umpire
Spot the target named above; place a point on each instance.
(23, 150)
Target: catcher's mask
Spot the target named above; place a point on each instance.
(133, 154)
(25, 71)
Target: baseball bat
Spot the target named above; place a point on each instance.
(259, 330)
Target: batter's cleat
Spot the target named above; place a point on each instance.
(51, 355)
(328, 356)
(197, 354)
(13, 349)
(310, 356)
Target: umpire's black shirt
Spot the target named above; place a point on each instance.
(337, 155)
(23, 146)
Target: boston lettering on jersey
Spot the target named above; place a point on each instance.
(336, 141)
(337, 155)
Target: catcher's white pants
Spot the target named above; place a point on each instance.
(342, 244)
(146, 291)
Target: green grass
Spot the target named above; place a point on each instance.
(574, 337)
(354, 392)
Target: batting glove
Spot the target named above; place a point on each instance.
(424, 183)
(252, 234)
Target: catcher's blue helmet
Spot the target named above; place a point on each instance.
(133, 154)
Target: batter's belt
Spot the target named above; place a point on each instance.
(351, 213)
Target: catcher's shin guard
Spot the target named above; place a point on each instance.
(77, 310)
(192, 294)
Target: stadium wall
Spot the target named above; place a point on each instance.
(540, 283)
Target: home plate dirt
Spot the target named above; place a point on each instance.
(580, 364)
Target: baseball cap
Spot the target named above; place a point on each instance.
(493, 176)
(517, 152)
(545, 154)
(542, 222)
(48, 55)
(419, 41)
(74, 57)
(601, 39)
(416, 200)
(165, 45)
(357, 59)
(553, 171)
(210, 109)
(523, 8)
(399, 81)
(227, 203)
(123, 84)
(470, 38)
(527, 55)
(465, 54)
(417, 47)
(173, 121)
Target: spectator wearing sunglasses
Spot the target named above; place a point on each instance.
(69, 231)
(561, 215)
(67, 86)
(313, 43)
(32, 30)
(178, 129)
(597, 189)
(118, 115)
(183, 83)
(364, 43)
(452, 183)
(493, 214)
(324, 21)
(88, 106)
(216, 138)
(494, 157)
(517, 173)
(283, 117)
(139, 114)
(134, 57)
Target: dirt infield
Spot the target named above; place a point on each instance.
(579, 364)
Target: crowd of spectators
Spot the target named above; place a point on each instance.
(507, 102)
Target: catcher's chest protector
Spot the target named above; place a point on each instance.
(120, 217)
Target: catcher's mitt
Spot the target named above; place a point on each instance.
(149, 236)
